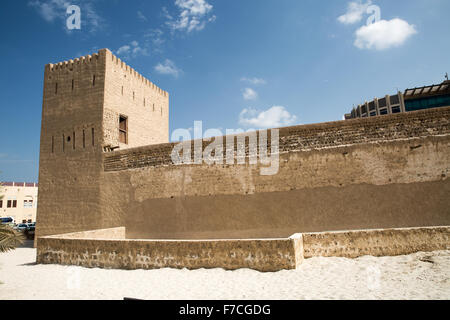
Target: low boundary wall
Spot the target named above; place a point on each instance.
(108, 248)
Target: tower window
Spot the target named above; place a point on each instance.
(93, 81)
(56, 88)
(123, 129)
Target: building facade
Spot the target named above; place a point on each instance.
(19, 201)
(420, 98)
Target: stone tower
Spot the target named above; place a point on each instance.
(91, 106)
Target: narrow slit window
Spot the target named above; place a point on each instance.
(84, 139)
(122, 90)
(53, 144)
(72, 84)
(92, 136)
(123, 129)
(153, 107)
(144, 102)
(93, 81)
(56, 88)
(73, 141)
(133, 95)
(63, 142)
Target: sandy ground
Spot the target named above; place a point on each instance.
(416, 276)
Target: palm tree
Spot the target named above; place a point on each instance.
(9, 238)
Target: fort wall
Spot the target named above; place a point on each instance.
(386, 172)
(106, 249)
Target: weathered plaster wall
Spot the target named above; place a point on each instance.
(383, 242)
(385, 172)
(70, 161)
(82, 101)
(262, 255)
(144, 104)
(91, 250)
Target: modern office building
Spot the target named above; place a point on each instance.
(18, 200)
(427, 97)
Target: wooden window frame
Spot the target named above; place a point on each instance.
(123, 131)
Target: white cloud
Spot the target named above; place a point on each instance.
(355, 12)
(249, 94)
(132, 50)
(123, 50)
(156, 36)
(277, 116)
(254, 81)
(169, 68)
(193, 16)
(141, 16)
(384, 34)
(51, 10)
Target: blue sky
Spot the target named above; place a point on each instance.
(231, 64)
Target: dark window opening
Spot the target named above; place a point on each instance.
(1, 203)
(383, 112)
(56, 88)
(93, 81)
(153, 107)
(72, 84)
(363, 109)
(395, 99)
(92, 136)
(63, 144)
(123, 129)
(373, 114)
(14, 204)
(74, 140)
(396, 109)
(133, 95)
(84, 139)
(8, 204)
(53, 144)
(68, 139)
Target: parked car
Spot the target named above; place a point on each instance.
(21, 227)
(29, 232)
(7, 220)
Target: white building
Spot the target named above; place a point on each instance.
(19, 201)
